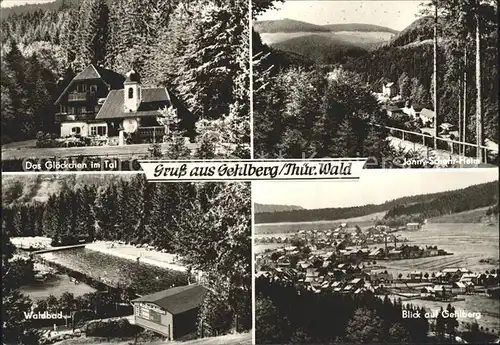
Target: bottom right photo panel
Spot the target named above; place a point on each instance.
(399, 256)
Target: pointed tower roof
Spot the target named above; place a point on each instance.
(133, 77)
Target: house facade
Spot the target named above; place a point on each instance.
(172, 313)
(80, 101)
(101, 103)
(389, 90)
(413, 226)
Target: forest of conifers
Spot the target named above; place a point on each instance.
(196, 221)
(426, 205)
(191, 47)
(285, 314)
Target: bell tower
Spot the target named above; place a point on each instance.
(132, 92)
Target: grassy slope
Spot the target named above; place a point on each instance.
(236, 339)
(317, 47)
(471, 216)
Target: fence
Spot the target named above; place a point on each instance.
(454, 147)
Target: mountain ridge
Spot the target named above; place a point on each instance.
(472, 197)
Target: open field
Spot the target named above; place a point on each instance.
(469, 243)
(353, 37)
(135, 151)
(236, 339)
(280, 229)
(472, 216)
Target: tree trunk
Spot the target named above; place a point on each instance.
(436, 121)
(464, 104)
(479, 105)
(460, 86)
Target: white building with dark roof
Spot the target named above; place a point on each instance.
(172, 313)
(98, 102)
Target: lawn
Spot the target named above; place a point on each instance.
(13, 151)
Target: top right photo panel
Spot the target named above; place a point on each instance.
(406, 84)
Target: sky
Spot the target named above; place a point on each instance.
(394, 14)
(11, 3)
(374, 187)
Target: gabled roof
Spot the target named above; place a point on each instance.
(152, 100)
(176, 300)
(112, 79)
(90, 72)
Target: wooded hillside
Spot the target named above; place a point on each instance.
(425, 205)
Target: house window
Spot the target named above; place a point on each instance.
(84, 87)
(93, 88)
(76, 130)
(130, 93)
(101, 130)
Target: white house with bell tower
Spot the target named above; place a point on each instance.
(132, 94)
(135, 108)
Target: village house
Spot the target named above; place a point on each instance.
(393, 110)
(394, 254)
(412, 110)
(172, 313)
(427, 117)
(453, 274)
(389, 90)
(101, 103)
(459, 287)
(469, 277)
(416, 276)
(378, 277)
(430, 251)
(413, 226)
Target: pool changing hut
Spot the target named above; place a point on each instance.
(171, 312)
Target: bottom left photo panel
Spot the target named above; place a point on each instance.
(113, 258)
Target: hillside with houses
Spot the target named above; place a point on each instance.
(378, 100)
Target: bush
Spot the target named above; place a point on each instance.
(50, 140)
(111, 329)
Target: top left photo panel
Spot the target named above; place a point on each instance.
(97, 85)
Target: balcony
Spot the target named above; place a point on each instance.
(78, 96)
(62, 117)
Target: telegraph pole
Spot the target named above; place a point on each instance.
(479, 103)
(435, 100)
